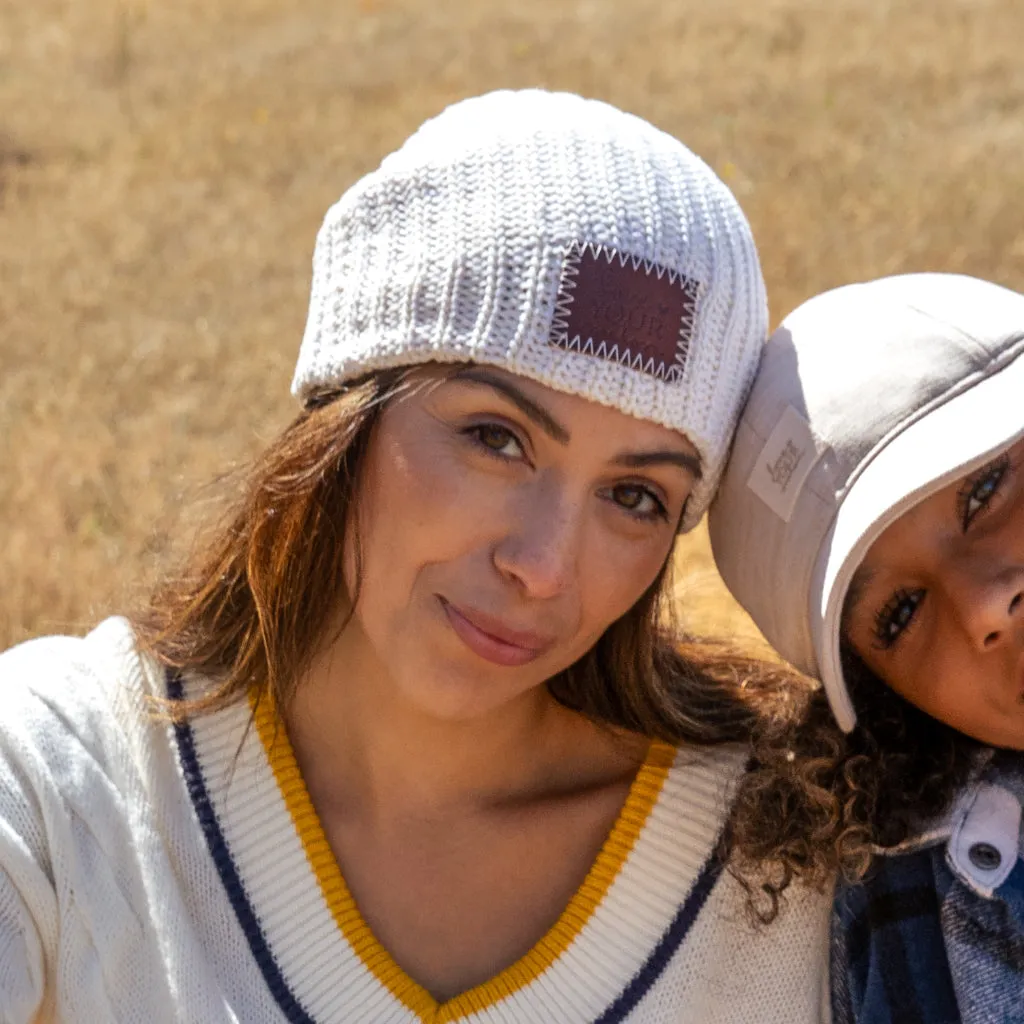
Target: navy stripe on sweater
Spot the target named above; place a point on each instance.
(644, 980)
(283, 996)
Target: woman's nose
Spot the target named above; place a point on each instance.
(991, 604)
(540, 551)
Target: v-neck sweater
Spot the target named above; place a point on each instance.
(156, 872)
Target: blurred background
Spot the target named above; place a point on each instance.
(164, 165)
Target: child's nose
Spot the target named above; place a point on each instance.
(991, 601)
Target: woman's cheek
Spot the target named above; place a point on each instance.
(620, 569)
(446, 473)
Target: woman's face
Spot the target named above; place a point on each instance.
(503, 526)
(936, 608)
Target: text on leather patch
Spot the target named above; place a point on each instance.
(626, 309)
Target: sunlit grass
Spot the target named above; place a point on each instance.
(164, 167)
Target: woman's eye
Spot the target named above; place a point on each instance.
(638, 500)
(498, 439)
(892, 621)
(978, 491)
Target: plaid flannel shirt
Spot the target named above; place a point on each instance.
(935, 935)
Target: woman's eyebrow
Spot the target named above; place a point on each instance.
(551, 426)
(685, 461)
(529, 408)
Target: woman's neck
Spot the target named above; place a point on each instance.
(366, 750)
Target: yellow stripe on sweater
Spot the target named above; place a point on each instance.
(643, 795)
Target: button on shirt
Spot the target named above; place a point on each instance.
(936, 932)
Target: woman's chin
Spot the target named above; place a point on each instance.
(460, 696)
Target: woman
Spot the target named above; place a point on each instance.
(417, 758)
(879, 470)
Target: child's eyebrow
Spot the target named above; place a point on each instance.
(859, 582)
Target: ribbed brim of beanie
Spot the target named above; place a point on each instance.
(558, 238)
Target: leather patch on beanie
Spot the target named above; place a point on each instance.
(625, 309)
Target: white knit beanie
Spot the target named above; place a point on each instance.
(557, 238)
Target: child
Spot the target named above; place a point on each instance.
(871, 521)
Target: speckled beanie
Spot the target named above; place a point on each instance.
(557, 238)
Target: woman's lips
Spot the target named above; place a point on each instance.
(492, 640)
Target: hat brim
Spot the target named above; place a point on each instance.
(940, 446)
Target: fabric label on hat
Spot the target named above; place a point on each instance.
(625, 309)
(787, 457)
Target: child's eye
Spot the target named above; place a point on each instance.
(896, 616)
(639, 501)
(978, 490)
(496, 439)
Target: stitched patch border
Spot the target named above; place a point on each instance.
(648, 348)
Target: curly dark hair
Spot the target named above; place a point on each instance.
(817, 802)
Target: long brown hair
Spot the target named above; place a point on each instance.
(254, 604)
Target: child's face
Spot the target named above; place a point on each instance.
(936, 609)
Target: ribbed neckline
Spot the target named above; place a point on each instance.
(642, 797)
(624, 928)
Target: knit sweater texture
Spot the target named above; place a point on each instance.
(156, 873)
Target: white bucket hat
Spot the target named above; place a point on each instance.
(558, 238)
(868, 399)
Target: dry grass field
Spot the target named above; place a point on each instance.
(164, 165)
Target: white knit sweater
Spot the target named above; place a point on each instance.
(155, 873)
